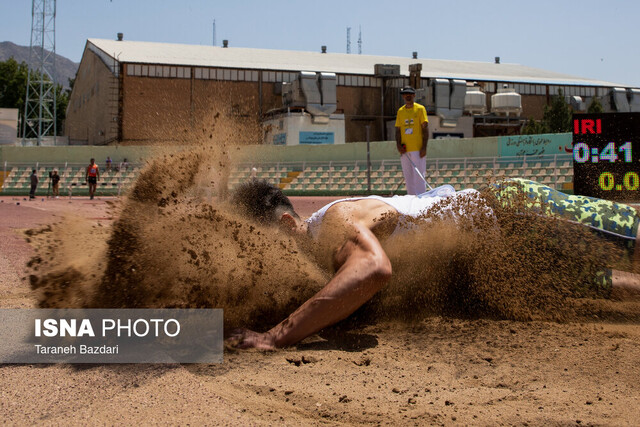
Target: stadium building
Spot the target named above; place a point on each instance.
(141, 93)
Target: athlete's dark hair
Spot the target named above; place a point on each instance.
(262, 201)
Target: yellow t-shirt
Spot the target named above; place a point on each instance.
(410, 121)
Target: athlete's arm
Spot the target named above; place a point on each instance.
(362, 269)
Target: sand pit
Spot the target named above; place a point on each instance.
(456, 353)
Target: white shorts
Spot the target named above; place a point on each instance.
(415, 184)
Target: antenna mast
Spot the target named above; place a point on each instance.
(360, 42)
(214, 32)
(348, 39)
(40, 100)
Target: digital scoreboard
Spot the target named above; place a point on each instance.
(606, 156)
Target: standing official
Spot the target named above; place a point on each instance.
(55, 183)
(34, 184)
(412, 135)
(92, 176)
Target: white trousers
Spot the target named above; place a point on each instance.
(415, 184)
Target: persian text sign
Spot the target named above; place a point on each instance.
(111, 336)
(534, 145)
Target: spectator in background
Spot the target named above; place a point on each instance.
(125, 165)
(92, 176)
(34, 185)
(55, 183)
(108, 164)
(412, 135)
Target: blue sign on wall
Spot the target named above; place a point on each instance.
(316, 137)
(280, 139)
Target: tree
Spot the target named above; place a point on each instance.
(595, 106)
(557, 117)
(533, 127)
(13, 90)
(13, 84)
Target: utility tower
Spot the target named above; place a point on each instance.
(360, 42)
(348, 39)
(40, 102)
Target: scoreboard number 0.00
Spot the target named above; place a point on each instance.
(630, 182)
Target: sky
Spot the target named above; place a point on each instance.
(586, 38)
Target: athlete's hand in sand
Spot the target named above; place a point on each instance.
(245, 339)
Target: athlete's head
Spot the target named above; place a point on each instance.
(264, 202)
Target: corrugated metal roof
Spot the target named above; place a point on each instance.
(286, 60)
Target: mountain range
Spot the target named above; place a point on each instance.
(65, 68)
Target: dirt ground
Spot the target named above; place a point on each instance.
(436, 371)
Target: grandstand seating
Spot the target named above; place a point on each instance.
(340, 178)
(17, 180)
(316, 178)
